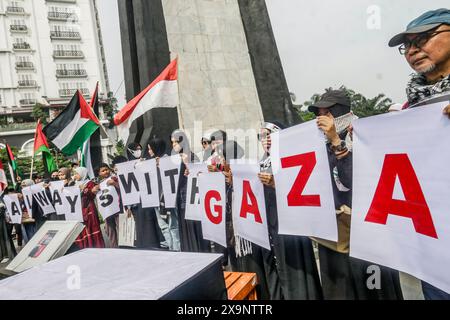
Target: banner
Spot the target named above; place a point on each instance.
(108, 202)
(147, 177)
(170, 174)
(193, 205)
(129, 187)
(304, 192)
(28, 200)
(42, 198)
(249, 206)
(401, 189)
(213, 200)
(13, 208)
(60, 202)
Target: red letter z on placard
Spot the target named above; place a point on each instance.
(415, 207)
(307, 162)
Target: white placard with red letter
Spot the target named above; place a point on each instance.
(13, 208)
(401, 189)
(193, 205)
(170, 174)
(249, 206)
(213, 200)
(303, 182)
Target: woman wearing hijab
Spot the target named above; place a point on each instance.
(147, 228)
(91, 237)
(64, 174)
(191, 236)
(291, 261)
(7, 248)
(156, 150)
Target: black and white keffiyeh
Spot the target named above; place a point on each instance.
(418, 89)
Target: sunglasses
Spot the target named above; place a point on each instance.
(204, 142)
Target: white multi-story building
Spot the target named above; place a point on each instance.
(48, 50)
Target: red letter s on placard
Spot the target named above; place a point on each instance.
(213, 194)
(295, 198)
(414, 207)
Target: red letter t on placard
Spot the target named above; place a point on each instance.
(414, 207)
(295, 198)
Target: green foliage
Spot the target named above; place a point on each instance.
(120, 148)
(40, 113)
(361, 106)
(111, 108)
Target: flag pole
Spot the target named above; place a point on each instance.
(32, 164)
(180, 113)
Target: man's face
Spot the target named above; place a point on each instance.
(54, 175)
(435, 52)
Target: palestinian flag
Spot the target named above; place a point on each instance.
(73, 126)
(12, 164)
(41, 146)
(3, 180)
(161, 93)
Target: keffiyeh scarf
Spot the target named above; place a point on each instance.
(418, 89)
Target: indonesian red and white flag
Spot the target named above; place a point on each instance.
(161, 93)
(3, 180)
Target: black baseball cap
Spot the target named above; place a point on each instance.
(330, 99)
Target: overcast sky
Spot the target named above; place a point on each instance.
(323, 43)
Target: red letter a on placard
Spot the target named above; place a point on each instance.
(414, 207)
(251, 207)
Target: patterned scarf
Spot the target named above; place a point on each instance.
(418, 89)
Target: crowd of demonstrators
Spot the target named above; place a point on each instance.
(289, 268)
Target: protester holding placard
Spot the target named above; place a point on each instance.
(65, 175)
(156, 150)
(7, 249)
(91, 236)
(295, 263)
(191, 237)
(426, 46)
(342, 276)
(147, 228)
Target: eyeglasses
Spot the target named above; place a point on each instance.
(204, 142)
(418, 41)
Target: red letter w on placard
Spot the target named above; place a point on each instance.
(414, 207)
(251, 207)
(307, 162)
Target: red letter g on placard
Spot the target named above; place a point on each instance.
(213, 194)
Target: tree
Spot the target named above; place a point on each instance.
(39, 113)
(361, 106)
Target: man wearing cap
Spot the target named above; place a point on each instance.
(344, 277)
(426, 46)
